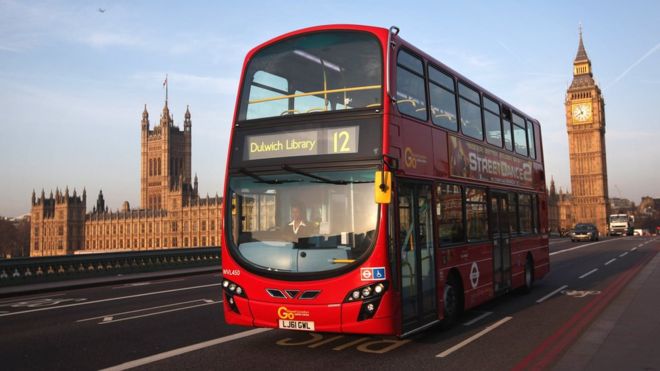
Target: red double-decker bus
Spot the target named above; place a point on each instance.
(372, 189)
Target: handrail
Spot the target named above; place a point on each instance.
(325, 91)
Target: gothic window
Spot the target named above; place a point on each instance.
(204, 241)
(158, 167)
(203, 225)
(213, 225)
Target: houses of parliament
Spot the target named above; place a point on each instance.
(171, 212)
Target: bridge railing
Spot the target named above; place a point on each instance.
(56, 268)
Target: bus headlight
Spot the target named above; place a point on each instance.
(231, 289)
(370, 295)
(369, 291)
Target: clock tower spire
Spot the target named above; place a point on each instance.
(585, 123)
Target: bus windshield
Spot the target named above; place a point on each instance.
(302, 221)
(324, 71)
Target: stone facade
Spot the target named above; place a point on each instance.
(585, 123)
(172, 214)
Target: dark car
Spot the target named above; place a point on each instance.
(584, 232)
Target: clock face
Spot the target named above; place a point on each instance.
(582, 112)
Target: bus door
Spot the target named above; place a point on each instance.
(415, 246)
(499, 224)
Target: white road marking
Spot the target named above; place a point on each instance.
(28, 298)
(610, 261)
(146, 309)
(475, 320)
(550, 294)
(588, 273)
(473, 337)
(137, 284)
(110, 299)
(579, 247)
(157, 313)
(624, 254)
(183, 350)
(634, 248)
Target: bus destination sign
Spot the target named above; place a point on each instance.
(322, 141)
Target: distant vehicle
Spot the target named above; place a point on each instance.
(620, 224)
(584, 232)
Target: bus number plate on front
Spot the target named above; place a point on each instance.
(296, 325)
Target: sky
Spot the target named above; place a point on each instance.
(74, 79)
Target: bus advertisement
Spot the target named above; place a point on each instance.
(372, 189)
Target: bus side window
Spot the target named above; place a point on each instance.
(531, 139)
(506, 128)
(492, 122)
(442, 93)
(470, 106)
(410, 86)
(449, 214)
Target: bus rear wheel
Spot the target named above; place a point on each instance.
(529, 275)
(452, 301)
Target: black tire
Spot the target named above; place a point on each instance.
(452, 300)
(528, 276)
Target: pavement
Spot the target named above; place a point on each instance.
(624, 336)
(100, 281)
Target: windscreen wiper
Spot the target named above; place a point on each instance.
(320, 179)
(266, 181)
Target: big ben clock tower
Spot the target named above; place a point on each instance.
(585, 122)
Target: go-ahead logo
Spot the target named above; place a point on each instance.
(411, 159)
(284, 313)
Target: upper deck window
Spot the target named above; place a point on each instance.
(318, 72)
(519, 135)
(530, 139)
(470, 105)
(492, 121)
(443, 99)
(410, 86)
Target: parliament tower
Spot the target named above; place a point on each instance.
(585, 122)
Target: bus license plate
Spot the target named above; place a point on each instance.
(297, 325)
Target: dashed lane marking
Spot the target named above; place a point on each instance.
(479, 318)
(550, 294)
(473, 337)
(588, 273)
(624, 254)
(579, 247)
(183, 350)
(610, 261)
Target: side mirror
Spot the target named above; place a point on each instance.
(383, 187)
